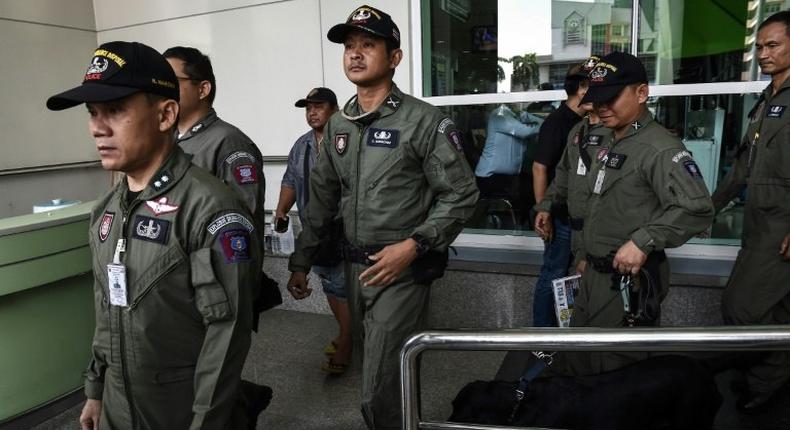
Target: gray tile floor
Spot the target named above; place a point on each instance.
(287, 352)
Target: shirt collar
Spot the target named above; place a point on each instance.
(172, 170)
(352, 111)
(201, 125)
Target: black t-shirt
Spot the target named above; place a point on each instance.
(553, 137)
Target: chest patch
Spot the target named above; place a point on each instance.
(150, 229)
(160, 206)
(775, 111)
(593, 139)
(601, 154)
(245, 174)
(106, 226)
(615, 161)
(341, 141)
(575, 139)
(385, 138)
(692, 169)
(235, 245)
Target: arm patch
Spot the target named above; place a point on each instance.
(235, 245)
(245, 174)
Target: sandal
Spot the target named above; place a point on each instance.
(333, 368)
(331, 349)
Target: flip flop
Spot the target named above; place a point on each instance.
(331, 349)
(333, 368)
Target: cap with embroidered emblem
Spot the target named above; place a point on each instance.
(318, 95)
(120, 69)
(368, 19)
(582, 71)
(613, 73)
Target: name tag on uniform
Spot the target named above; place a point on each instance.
(383, 137)
(599, 181)
(581, 169)
(775, 111)
(116, 276)
(615, 161)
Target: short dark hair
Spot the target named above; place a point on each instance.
(571, 84)
(197, 66)
(782, 17)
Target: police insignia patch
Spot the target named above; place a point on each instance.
(341, 140)
(245, 174)
(106, 226)
(235, 245)
(229, 218)
(593, 139)
(575, 139)
(615, 161)
(601, 154)
(150, 229)
(455, 138)
(692, 169)
(383, 137)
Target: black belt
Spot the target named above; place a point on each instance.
(601, 264)
(576, 223)
(359, 253)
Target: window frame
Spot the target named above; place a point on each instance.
(697, 259)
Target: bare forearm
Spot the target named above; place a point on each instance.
(540, 180)
(286, 202)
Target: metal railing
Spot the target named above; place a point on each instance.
(743, 338)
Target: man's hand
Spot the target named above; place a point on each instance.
(629, 259)
(581, 267)
(543, 225)
(784, 249)
(390, 262)
(89, 418)
(297, 285)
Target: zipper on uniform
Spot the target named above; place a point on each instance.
(356, 192)
(124, 364)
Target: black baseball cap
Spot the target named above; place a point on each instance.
(582, 71)
(613, 73)
(369, 19)
(117, 70)
(318, 95)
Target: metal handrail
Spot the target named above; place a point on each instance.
(742, 338)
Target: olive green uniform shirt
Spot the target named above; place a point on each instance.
(390, 173)
(647, 189)
(570, 181)
(172, 358)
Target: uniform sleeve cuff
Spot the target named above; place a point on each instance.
(643, 241)
(94, 389)
(543, 206)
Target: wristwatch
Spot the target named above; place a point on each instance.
(422, 244)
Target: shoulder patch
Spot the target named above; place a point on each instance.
(341, 141)
(230, 159)
(385, 138)
(150, 229)
(230, 218)
(444, 124)
(235, 245)
(455, 139)
(245, 174)
(106, 226)
(692, 169)
(680, 155)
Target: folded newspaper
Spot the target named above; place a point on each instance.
(564, 289)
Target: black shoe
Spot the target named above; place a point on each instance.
(255, 398)
(752, 402)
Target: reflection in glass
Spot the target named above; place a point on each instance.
(486, 46)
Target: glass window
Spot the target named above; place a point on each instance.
(486, 46)
(698, 41)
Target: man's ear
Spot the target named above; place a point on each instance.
(205, 89)
(642, 93)
(395, 58)
(168, 115)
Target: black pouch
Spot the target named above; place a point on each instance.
(268, 297)
(429, 267)
(330, 252)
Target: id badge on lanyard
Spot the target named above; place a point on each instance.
(116, 277)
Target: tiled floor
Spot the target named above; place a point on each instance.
(286, 355)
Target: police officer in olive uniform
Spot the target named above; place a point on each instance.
(215, 145)
(758, 291)
(174, 257)
(647, 194)
(584, 141)
(393, 166)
